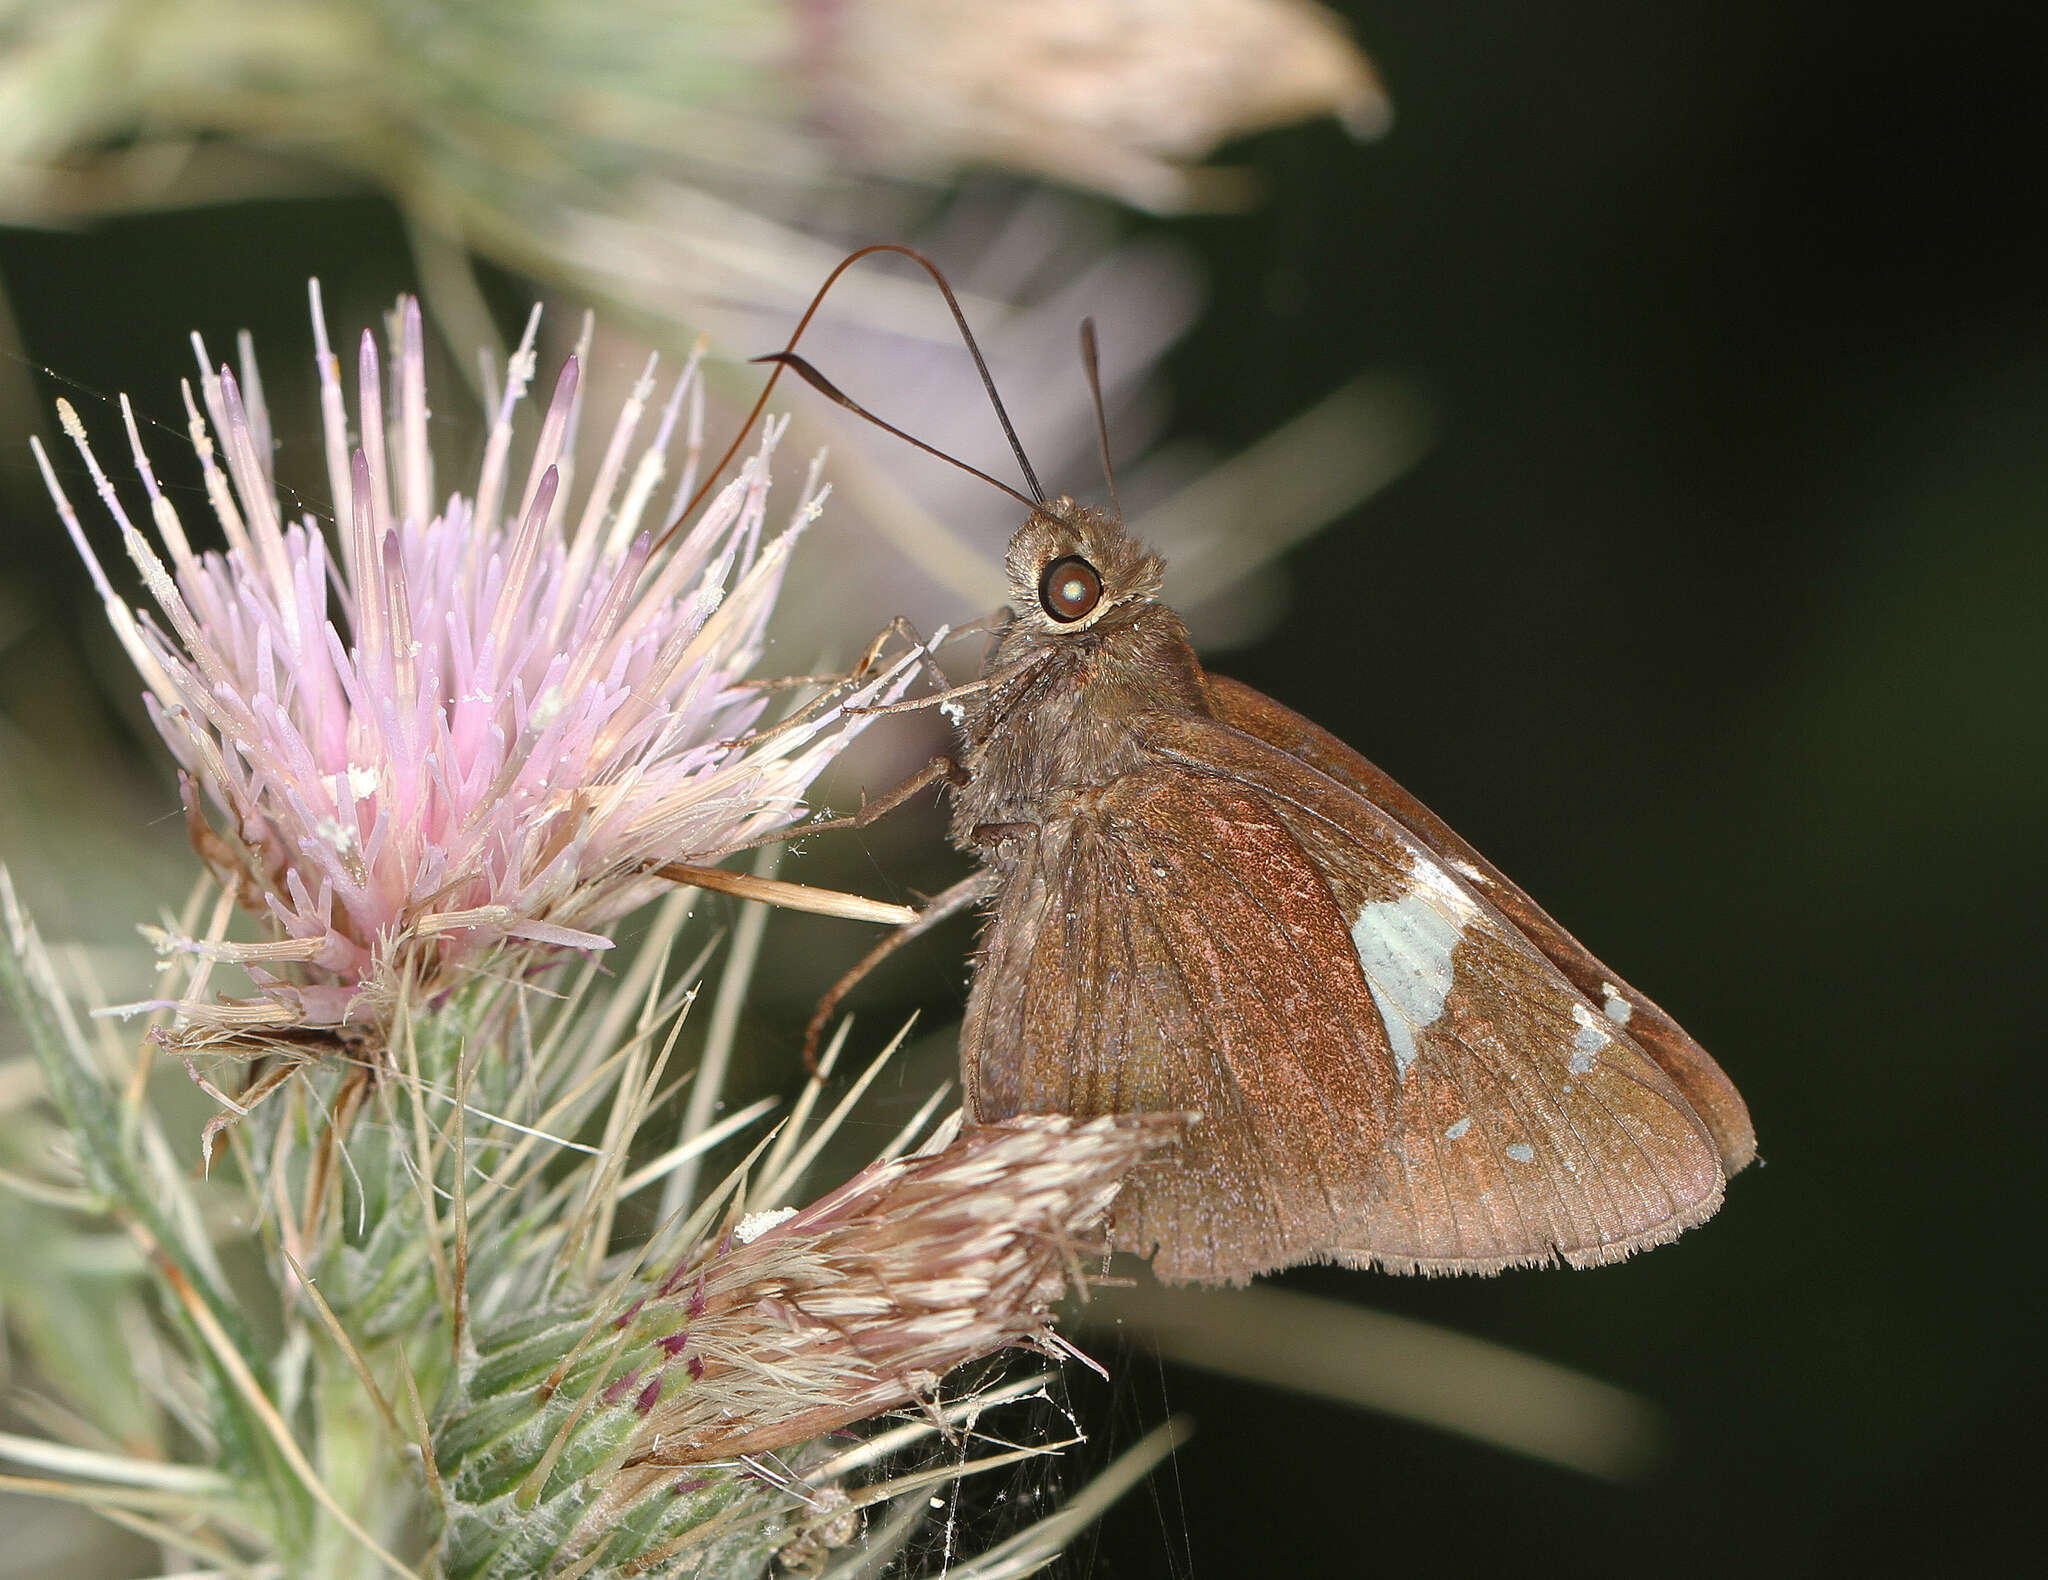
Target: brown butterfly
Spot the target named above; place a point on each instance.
(1199, 900)
(1203, 901)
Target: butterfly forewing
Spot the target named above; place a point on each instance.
(1706, 1087)
(1387, 1071)
(1604, 1153)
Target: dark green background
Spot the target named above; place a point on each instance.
(1714, 617)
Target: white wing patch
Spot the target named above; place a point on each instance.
(1587, 1041)
(1404, 947)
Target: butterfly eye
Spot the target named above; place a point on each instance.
(1070, 589)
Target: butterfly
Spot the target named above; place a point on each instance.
(1199, 901)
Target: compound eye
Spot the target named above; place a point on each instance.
(1070, 589)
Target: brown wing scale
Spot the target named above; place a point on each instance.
(1334, 1130)
(1712, 1095)
(1173, 1023)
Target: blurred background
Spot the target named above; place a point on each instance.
(1690, 367)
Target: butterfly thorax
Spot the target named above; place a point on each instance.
(1056, 724)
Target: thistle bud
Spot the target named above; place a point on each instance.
(612, 1434)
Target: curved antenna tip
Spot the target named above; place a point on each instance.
(1092, 363)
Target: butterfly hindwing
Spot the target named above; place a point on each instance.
(1290, 1083)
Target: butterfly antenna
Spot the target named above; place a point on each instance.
(824, 386)
(1090, 361)
(785, 358)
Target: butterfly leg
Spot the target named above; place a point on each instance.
(941, 767)
(968, 891)
(920, 652)
(919, 649)
(836, 686)
(990, 837)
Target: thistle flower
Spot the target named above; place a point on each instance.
(469, 1367)
(1122, 96)
(705, 166)
(573, 1432)
(469, 725)
(494, 120)
(863, 1300)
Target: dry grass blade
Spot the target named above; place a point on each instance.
(97, 1497)
(350, 1353)
(84, 1464)
(632, 1100)
(784, 1183)
(231, 1362)
(424, 1442)
(791, 896)
(718, 1041)
(898, 1438)
(901, 1142)
(1405, 1368)
(425, 1136)
(938, 1475)
(732, 1124)
(1033, 1548)
(174, 1535)
(800, 1111)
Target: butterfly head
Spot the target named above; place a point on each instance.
(1071, 566)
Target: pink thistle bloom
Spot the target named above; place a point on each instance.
(461, 726)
